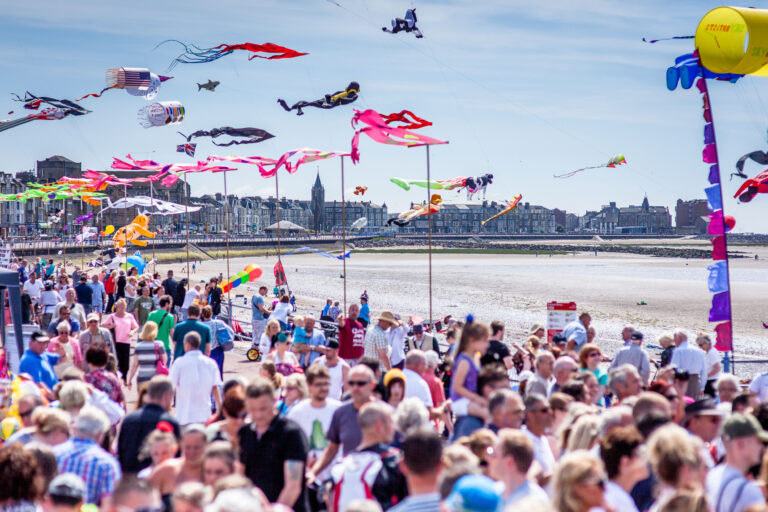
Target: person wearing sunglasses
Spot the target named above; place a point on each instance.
(538, 418)
(589, 361)
(579, 482)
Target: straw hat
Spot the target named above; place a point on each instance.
(387, 316)
(535, 327)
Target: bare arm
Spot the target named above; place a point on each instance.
(325, 459)
(292, 473)
(458, 383)
(134, 369)
(384, 359)
(216, 397)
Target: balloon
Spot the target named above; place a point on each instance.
(108, 230)
(250, 273)
(730, 222)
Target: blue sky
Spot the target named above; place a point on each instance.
(522, 89)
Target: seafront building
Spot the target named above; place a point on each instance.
(253, 214)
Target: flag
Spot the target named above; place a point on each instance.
(187, 148)
(279, 274)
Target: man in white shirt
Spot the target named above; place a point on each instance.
(189, 298)
(415, 385)
(397, 334)
(539, 382)
(692, 360)
(33, 286)
(195, 377)
(538, 418)
(509, 461)
(338, 369)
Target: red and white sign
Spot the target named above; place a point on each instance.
(559, 314)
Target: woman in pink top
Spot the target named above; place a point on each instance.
(67, 345)
(125, 327)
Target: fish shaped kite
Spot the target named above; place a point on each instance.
(360, 191)
(508, 207)
(407, 24)
(359, 223)
(410, 120)
(137, 228)
(249, 135)
(434, 206)
(210, 85)
(150, 206)
(335, 99)
(59, 109)
(319, 253)
(378, 129)
(473, 185)
(196, 55)
(161, 113)
(613, 162)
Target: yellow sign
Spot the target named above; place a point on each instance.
(734, 40)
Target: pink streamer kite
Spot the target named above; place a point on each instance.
(268, 167)
(378, 129)
(165, 172)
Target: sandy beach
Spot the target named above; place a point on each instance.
(516, 288)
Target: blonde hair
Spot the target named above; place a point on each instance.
(575, 411)
(704, 337)
(272, 323)
(300, 382)
(121, 302)
(584, 433)
(688, 501)
(665, 339)
(671, 448)
(154, 437)
(148, 332)
(574, 468)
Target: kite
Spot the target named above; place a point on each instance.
(508, 207)
(165, 173)
(210, 85)
(405, 25)
(251, 273)
(84, 218)
(378, 129)
(359, 223)
(651, 41)
(59, 109)
(196, 55)
(131, 233)
(150, 206)
(188, 148)
(135, 81)
(268, 167)
(473, 185)
(760, 157)
(344, 97)
(89, 233)
(733, 40)
(410, 120)
(360, 191)
(687, 68)
(250, 135)
(435, 204)
(319, 252)
(750, 188)
(613, 162)
(161, 114)
(55, 216)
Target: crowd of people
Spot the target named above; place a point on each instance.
(356, 411)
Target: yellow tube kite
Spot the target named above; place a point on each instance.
(734, 40)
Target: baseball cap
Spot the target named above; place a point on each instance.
(333, 344)
(475, 493)
(743, 425)
(703, 407)
(92, 316)
(67, 485)
(636, 335)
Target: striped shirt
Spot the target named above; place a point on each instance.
(419, 503)
(147, 353)
(98, 469)
(376, 339)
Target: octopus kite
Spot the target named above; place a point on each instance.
(434, 206)
(613, 162)
(336, 99)
(508, 207)
(405, 25)
(750, 188)
(131, 233)
(196, 55)
(249, 135)
(360, 191)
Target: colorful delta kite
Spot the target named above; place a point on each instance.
(378, 129)
(325, 254)
(59, 109)
(196, 55)
(508, 207)
(161, 113)
(150, 206)
(407, 24)
(137, 228)
(251, 273)
(473, 185)
(613, 162)
(434, 206)
(188, 148)
(336, 99)
(250, 135)
(687, 69)
(136, 82)
(410, 120)
(360, 191)
(268, 167)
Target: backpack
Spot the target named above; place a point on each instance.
(353, 479)
(225, 336)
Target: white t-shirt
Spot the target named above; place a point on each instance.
(759, 385)
(712, 357)
(542, 452)
(397, 344)
(337, 376)
(619, 498)
(33, 289)
(193, 375)
(315, 423)
(417, 386)
(281, 312)
(729, 489)
(190, 297)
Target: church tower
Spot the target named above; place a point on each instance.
(317, 204)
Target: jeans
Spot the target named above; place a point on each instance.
(217, 354)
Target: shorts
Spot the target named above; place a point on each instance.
(460, 407)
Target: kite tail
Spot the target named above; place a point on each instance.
(572, 173)
(188, 138)
(97, 95)
(652, 41)
(283, 104)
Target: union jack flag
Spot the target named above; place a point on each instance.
(187, 148)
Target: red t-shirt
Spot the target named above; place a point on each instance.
(351, 338)
(109, 285)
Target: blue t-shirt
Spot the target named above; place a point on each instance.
(256, 301)
(315, 339)
(40, 367)
(365, 313)
(98, 290)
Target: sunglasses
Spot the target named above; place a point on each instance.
(599, 483)
(594, 354)
(359, 383)
(26, 413)
(544, 410)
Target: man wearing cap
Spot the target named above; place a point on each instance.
(703, 419)
(39, 363)
(351, 336)
(66, 493)
(727, 486)
(337, 367)
(95, 334)
(377, 340)
(422, 341)
(635, 355)
(475, 493)
(365, 312)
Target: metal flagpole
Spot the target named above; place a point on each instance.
(429, 236)
(226, 234)
(277, 213)
(186, 212)
(343, 234)
(152, 207)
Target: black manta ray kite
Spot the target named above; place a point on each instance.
(251, 135)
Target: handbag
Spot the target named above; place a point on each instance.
(160, 367)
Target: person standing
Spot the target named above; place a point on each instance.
(110, 287)
(190, 298)
(509, 460)
(538, 418)
(351, 336)
(76, 311)
(365, 312)
(216, 297)
(377, 340)
(576, 332)
(220, 334)
(195, 377)
(259, 314)
(165, 323)
(38, 363)
(191, 324)
(712, 358)
(421, 465)
(84, 293)
(99, 295)
(93, 334)
(692, 360)
(539, 382)
(33, 287)
(397, 334)
(273, 449)
(147, 354)
(634, 354)
(338, 369)
(497, 352)
(315, 340)
(143, 306)
(125, 327)
(422, 341)
(48, 300)
(170, 284)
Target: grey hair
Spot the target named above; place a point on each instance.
(705, 338)
(411, 414)
(533, 399)
(544, 354)
(371, 413)
(415, 357)
(73, 395)
(728, 377)
(235, 500)
(561, 361)
(619, 376)
(433, 359)
(91, 422)
(612, 418)
(498, 397)
(681, 333)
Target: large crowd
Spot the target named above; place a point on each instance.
(358, 412)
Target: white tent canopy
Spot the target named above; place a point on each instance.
(285, 225)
